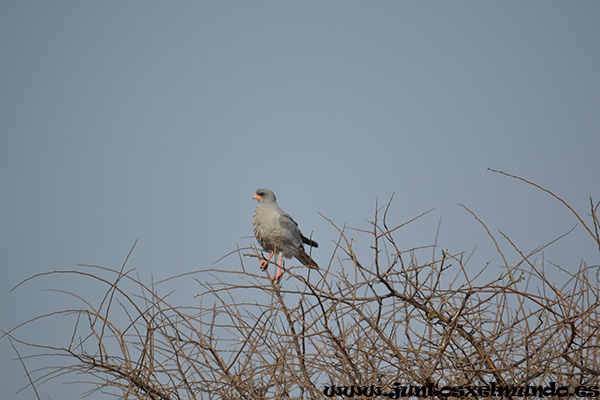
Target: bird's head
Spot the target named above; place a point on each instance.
(264, 195)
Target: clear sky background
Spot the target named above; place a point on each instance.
(158, 120)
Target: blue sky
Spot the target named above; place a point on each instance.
(158, 121)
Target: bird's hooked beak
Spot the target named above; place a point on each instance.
(257, 197)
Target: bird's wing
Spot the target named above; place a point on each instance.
(289, 234)
(309, 242)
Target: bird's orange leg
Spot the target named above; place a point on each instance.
(265, 263)
(279, 272)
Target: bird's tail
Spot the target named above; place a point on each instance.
(306, 260)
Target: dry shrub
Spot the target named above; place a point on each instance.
(393, 319)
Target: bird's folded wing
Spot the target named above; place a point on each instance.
(289, 229)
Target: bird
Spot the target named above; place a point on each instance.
(277, 232)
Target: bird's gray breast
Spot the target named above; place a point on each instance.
(276, 231)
